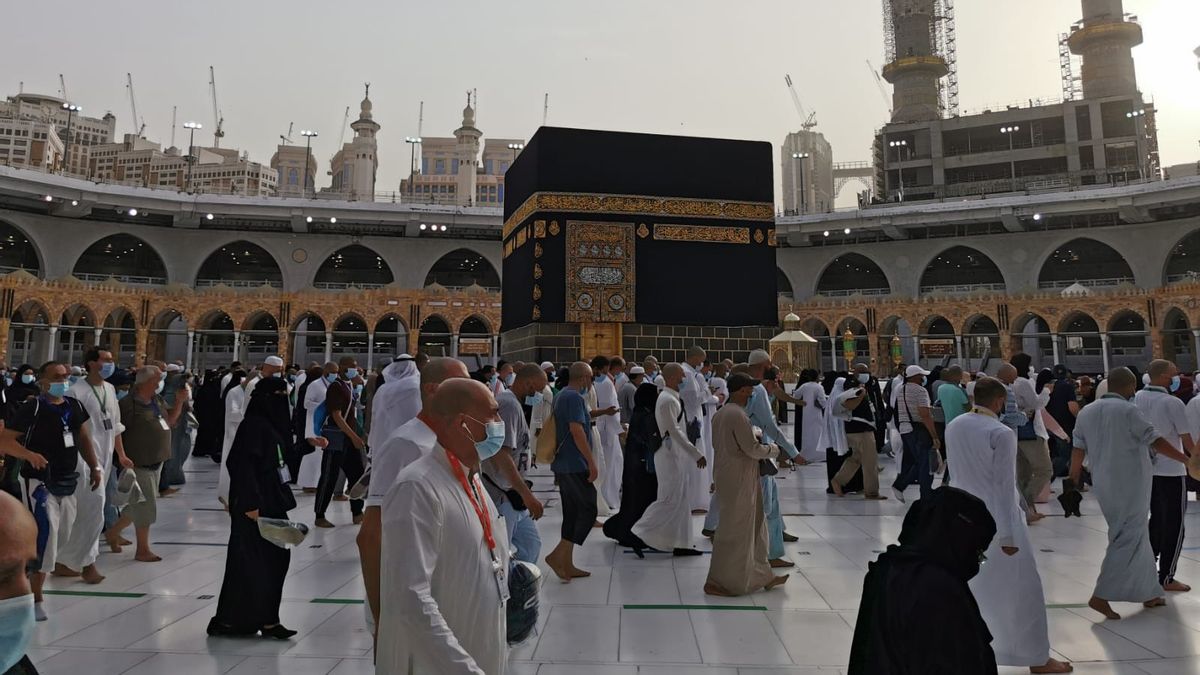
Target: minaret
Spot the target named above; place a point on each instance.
(468, 155)
(365, 157)
(917, 67)
(1105, 40)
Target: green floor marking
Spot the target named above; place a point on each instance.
(735, 608)
(1079, 606)
(335, 601)
(96, 594)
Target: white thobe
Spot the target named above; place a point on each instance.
(1115, 435)
(813, 420)
(412, 441)
(833, 431)
(235, 410)
(395, 403)
(982, 454)
(589, 398)
(82, 546)
(441, 611)
(693, 397)
(667, 523)
(310, 466)
(609, 430)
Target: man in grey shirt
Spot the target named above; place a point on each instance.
(504, 474)
(637, 375)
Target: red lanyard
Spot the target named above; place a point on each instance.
(481, 508)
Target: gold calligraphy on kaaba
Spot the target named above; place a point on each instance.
(702, 233)
(636, 205)
(601, 271)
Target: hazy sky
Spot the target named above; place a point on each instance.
(694, 67)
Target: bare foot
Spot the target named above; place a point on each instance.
(309, 491)
(1053, 666)
(837, 489)
(1103, 607)
(712, 589)
(168, 492)
(780, 562)
(577, 573)
(321, 522)
(1156, 602)
(61, 570)
(777, 581)
(124, 541)
(1031, 518)
(1176, 586)
(91, 575)
(562, 572)
(146, 557)
(115, 541)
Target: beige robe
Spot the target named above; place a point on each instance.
(739, 557)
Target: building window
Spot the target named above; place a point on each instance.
(454, 167)
(293, 176)
(439, 167)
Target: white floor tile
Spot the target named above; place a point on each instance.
(738, 637)
(814, 638)
(576, 633)
(658, 636)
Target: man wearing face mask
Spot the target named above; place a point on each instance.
(314, 418)
(445, 560)
(147, 439)
(865, 408)
(18, 549)
(982, 451)
(1115, 436)
(51, 433)
(345, 444)
(1168, 491)
(99, 399)
(608, 429)
(504, 473)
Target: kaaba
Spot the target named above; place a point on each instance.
(637, 244)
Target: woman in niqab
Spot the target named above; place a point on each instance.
(254, 567)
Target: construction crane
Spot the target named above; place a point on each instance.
(218, 118)
(887, 100)
(62, 86)
(345, 121)
(807, 120)
(174, 112)
(546, 109)
(139, 125)
(288, 137)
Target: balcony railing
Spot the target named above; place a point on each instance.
(847, 292)
(123, 278)
(961, 288)
(1086, 283)
(238, 283)
(343, 285)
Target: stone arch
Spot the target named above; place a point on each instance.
(353, 266)
(124, 257)
(1129, 339)
(434, 336)
(961, 269)
(76, 333)
(1031, 334)
(783, 284)
(259, 335)
(351, 337)
(240, 263)
(981, 342)
(307, 338)
(1177, 342)
(1086, 261)
(461, 268)
(852, 274)
(478, 325)
(18, 251)
(391, 334)
(167, 337)
(900, 326)
(936, 325)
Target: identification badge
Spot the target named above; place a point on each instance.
(501, 574)
(68, 439)
(285, 476)
(108, 425)
(163, 423)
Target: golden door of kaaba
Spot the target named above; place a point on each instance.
(599, 338)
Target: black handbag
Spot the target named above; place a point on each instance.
(767, 468)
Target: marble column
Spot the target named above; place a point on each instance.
(370, 352)
(52, 344)
(328, 346)
(191, 342)
(454, 346)
(1104, 351)
(1054, 348)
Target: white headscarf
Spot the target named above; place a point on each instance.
(834, 432)
(397, 401)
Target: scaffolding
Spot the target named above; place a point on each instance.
(943, 37)
(1071, 85)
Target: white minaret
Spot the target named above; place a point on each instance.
(355, 165)
(468, 155)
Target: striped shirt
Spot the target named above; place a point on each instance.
(909, 402)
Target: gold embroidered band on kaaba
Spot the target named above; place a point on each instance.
(638, 205)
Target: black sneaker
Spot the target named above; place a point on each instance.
(278, 632)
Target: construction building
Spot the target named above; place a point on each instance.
(26, 111)
(806, 165)
(1101, 133)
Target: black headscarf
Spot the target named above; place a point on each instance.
(235, 379)
(269, 405)
(924, 579)
(646, 396)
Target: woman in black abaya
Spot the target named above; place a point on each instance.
(254, 567)
(639, 487)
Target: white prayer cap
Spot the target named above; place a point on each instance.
(758, 356)
(546, 365)
(174, 368)
(403, 357)
(914, 370)
(274, 361)
(637, 370)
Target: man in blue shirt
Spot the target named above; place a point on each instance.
(575, 468)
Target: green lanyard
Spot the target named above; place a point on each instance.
(102, 401)
(279, 452)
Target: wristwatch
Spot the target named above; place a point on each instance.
(96, 468)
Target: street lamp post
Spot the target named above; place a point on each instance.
(1137, 139)
(897, 145)
(191, 158)
(413, 142)
(798, 162)
(516, 147)
(1012, 162)
(308, 135)
(71, 109)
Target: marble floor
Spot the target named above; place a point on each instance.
(647, 617)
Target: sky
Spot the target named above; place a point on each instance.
(690, 67)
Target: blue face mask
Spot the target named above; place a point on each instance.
(683, 384)
(27, 378)
(493, 378)
(492, 442)
(864, 378)
(107, 370)
(351, 373)
(358, 390)
(277, 374)
(16, 629)
(58, 389)
(509, 379)
(1175, 384)
(598, 379)
(122, 394)
(534, 400)
(331, 378)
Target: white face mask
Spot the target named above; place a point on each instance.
(16, 629)
(864, 378)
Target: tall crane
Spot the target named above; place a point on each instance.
(546, 108)
(287, 138)
(139, 124)
(807, 120)
(342, 133)
(218, 118)
(174, 112)
(887, 100)
(62, 86)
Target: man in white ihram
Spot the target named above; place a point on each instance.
(445, 551)
(983, 458)
(397, 401)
